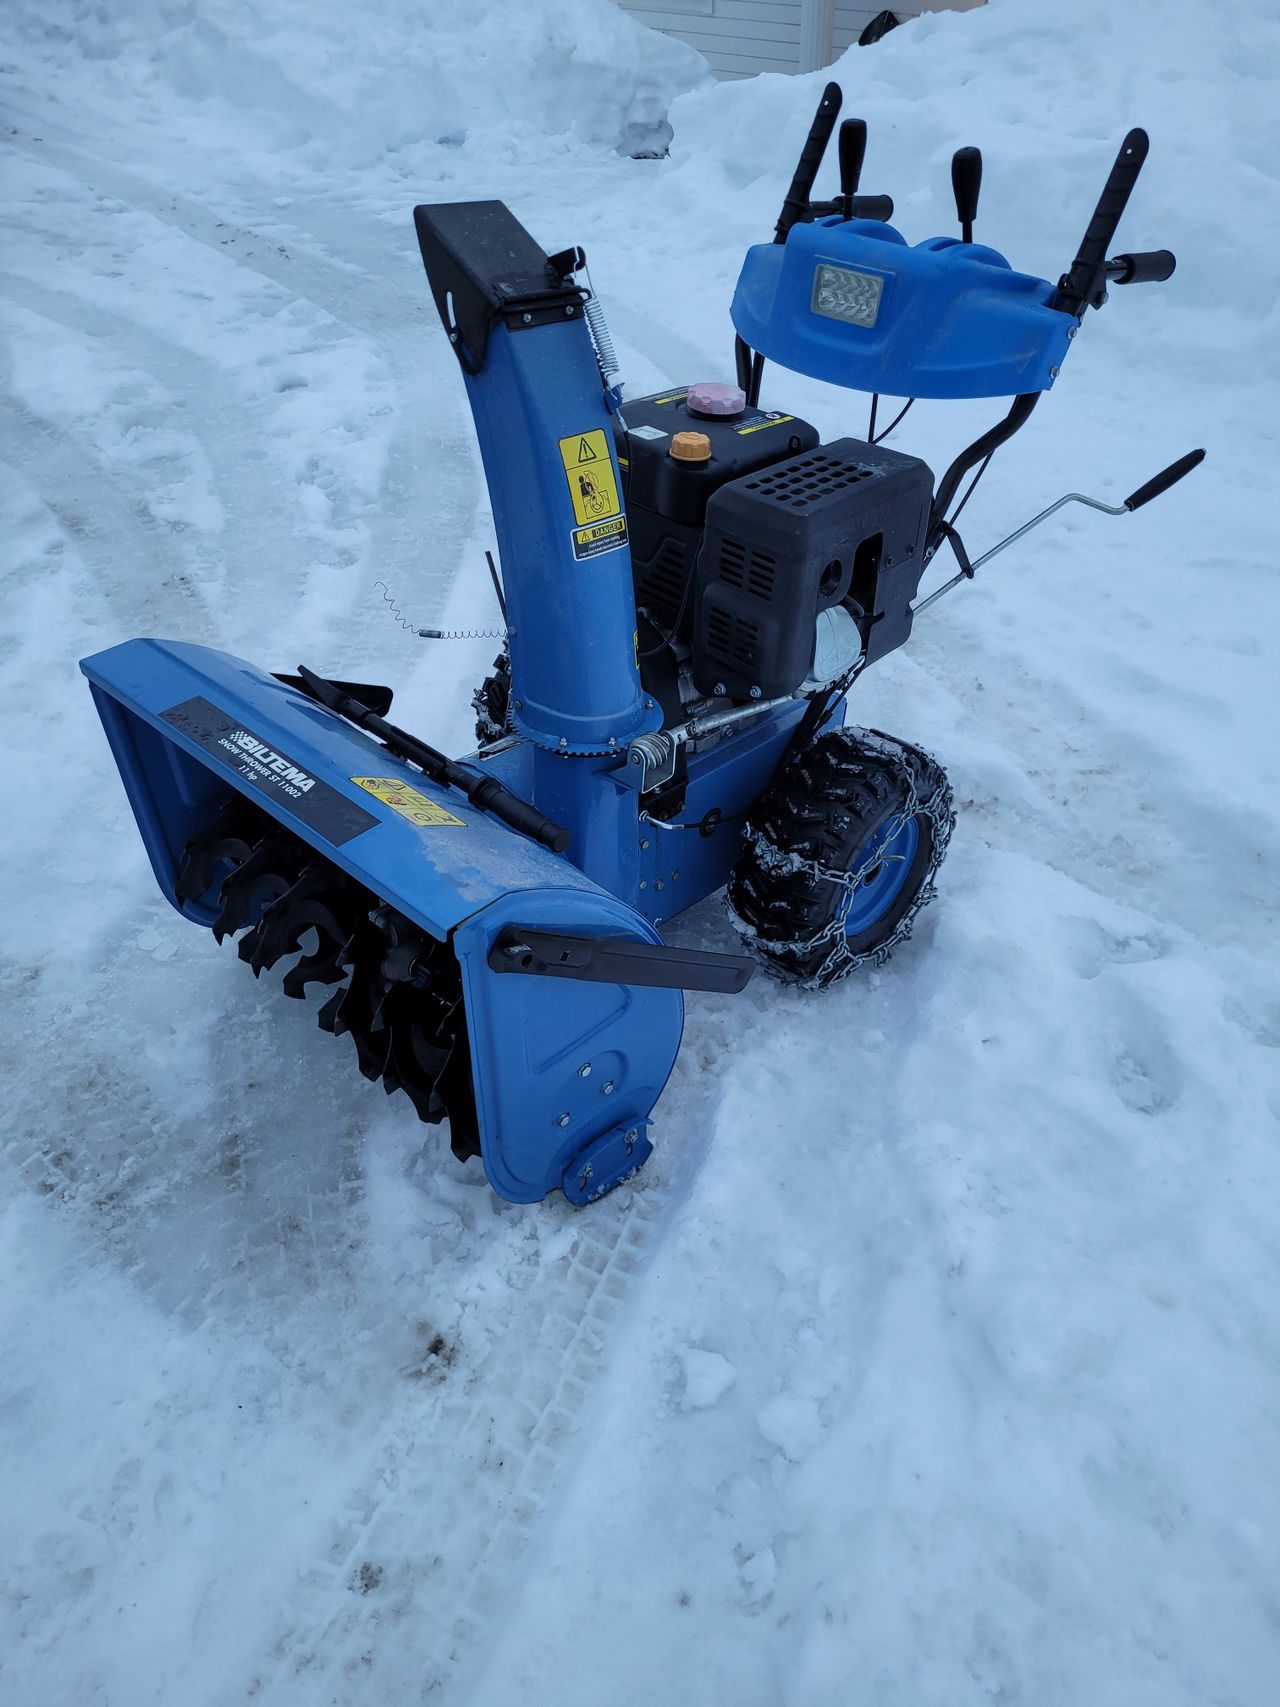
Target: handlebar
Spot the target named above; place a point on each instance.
(1147, 266)
(859, 207)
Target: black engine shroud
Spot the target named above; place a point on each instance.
(736, 556)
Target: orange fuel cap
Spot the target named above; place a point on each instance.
(691, 447)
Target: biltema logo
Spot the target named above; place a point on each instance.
(265, 761)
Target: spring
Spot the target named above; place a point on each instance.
(601, 341)
(398, 615)
(461, 633)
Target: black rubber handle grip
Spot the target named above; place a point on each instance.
(966, 182)
(491, 796)
(1148, 266)
(872, 207)
(1078, 286)
(853, 151)
(796, 206)
(1161, 482)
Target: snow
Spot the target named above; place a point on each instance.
(931, 1360)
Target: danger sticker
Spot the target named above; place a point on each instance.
(601, 536)
(593, 486)
(409, 803)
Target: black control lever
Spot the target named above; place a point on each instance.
(966, 181)
(1148, 266)
(1153, 488)
(795, 208)
(1085, 284)
(853, 151)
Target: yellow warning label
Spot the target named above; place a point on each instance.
(589, 471)
(758, 425)
(408, 802)
(675, 397)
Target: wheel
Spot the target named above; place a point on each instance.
(492, 701)
(839, 855)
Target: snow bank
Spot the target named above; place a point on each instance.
(354, 80)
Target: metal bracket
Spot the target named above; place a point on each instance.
(651, 762)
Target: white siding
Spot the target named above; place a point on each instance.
(741, 37)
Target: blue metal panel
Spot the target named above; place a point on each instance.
(436, 876)
(532, 1038)
(952, 319)
(681, 865)
(570, 603)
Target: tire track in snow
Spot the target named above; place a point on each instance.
(431, 484)
(112, 526)
(429, 1548)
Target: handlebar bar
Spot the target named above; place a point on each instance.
(1147, 266)
(858, 207)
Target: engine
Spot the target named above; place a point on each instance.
(765, 562)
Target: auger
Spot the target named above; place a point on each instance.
(691, 585)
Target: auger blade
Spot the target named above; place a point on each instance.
(356, 1010)
(320, 900)
(314, 969)
(230, 836)
(401, 1003)
(269, 870)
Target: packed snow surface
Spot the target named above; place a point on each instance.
(932, 1361)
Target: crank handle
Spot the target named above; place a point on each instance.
(1153, 488)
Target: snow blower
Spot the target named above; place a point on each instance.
(691, 584)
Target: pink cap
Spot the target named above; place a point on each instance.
(709, 397)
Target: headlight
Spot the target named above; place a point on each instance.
(842, 294)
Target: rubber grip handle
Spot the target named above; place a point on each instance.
(518, 814)
(796, 205)
(871, 207)
(1148, 266)
(1161, 482)
(966, 182)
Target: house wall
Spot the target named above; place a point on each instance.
(738, 38)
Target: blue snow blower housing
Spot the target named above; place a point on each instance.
(691, 584)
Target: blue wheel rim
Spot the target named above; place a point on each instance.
(885, 859)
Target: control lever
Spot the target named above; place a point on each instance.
(853, 151)
(966, 181)
(1084, 285)
(795, 208)
(1153, 488)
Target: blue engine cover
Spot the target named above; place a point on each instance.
(188, 726)
(940, 319)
